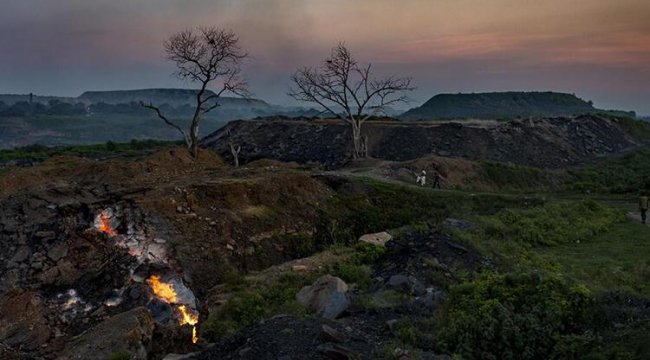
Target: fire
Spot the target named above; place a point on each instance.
(104, 224)
(164, 291)
(188, 317)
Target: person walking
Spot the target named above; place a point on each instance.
(643, 206)
(436, 180)
(422, 178)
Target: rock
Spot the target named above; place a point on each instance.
(328, 334)
(406, 284)
(377, 239)
(57, 252)
(129, 332)
(327, 296)
(22, 321)
(23, 253)
(299, 268)
(159, 241)
(45, 234)
(459, 224)
(337, 352)
(399, 281)
(179, 356)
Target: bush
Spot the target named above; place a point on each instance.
(627, 174)
(248, 307)
(519, 316)
(551, 224)
(353, 273)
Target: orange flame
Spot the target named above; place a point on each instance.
(188, 317)
(105, 224)
(164, 291)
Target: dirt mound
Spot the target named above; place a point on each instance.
(546, 143)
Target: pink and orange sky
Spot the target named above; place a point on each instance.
(598, 49)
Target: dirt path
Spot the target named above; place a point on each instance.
(636, 216)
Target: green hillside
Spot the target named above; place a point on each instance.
(501, 105)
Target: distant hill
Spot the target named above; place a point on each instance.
(502, 105)
(172, 97)
(100, 116)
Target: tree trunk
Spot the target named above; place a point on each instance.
(194, 138)
(356, 139)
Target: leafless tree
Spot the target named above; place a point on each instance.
(206, 56)
(348, 90)
(234, 149)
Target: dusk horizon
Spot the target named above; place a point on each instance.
(598, 51)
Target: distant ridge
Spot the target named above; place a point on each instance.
(501, 105)
(174, 97)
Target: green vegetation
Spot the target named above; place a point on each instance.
(248, 305)
(516, 316)
(616, 259)
(37, 153)
(548, 296)
(375, 206)
(552, 224)
(522, 178)
(500, 105)
(637, 128)
(626, 174)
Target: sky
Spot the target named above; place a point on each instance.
(597, 49)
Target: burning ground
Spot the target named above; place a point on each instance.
(81, 247)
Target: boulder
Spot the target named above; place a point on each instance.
(327, 296)
(127, 333)
(377, 239)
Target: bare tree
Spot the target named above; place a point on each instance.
(348, 90)
(205, 55)
(234, 149)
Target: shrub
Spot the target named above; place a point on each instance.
(248, 307)
(551, 224)
(353, 273)
(518, 316)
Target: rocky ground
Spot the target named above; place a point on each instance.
(81, 239)
(409, 282)
(546, 143)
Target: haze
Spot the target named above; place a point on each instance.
(598, 49)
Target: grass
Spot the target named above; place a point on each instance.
(519, 178)
(612, 260)
(512, 237)
(551, 256)
(248, 305)
(619, 175)
(376, 206)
